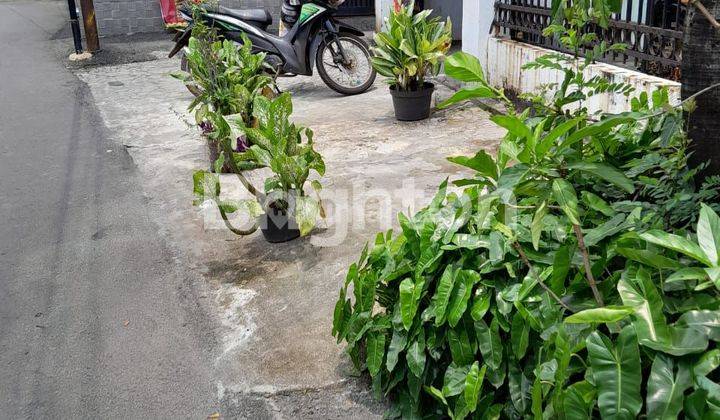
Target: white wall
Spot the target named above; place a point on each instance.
(477, 20)
(506, 58)
(382, 11)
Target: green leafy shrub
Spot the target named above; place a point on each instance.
(228, 78)
(249, 127)
(546, 285)
(272, 142)
(411, 47)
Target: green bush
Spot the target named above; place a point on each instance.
(227, 78)
(411, 47)
(272, 142)
(546, 286)
(249, 126)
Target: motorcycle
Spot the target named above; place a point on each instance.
(315, 38)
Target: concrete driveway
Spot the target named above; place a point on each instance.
(274, 303)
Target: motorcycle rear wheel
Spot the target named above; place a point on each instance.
(346, 79)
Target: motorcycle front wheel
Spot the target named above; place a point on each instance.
(350, 78)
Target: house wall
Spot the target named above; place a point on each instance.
(123, 17)
(477, 21)
(382, 11)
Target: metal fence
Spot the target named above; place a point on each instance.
(652, 30)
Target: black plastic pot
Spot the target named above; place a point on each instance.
(276, 226)
(412, 105)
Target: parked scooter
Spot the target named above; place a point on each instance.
(315, 38)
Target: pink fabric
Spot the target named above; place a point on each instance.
(169, 13)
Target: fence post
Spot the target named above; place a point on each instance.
(90, 25)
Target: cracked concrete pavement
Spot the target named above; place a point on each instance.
(273, 303)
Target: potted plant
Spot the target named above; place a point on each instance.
(407, 52)
(283, 210)
(225, 79)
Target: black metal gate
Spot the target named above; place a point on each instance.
(357, 8)
(652, 30)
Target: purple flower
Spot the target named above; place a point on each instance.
(242, 144)
(206, 127)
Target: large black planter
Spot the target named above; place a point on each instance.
(412, 105)
(276, 226)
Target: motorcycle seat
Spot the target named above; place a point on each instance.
(261, 16)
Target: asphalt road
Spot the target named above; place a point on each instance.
(97, 320)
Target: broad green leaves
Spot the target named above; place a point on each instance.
(676, 243)
(397, 345)
(617, 374)
(270, 141)
(519, 336)
(442, 294)
(466, 68)
(708, 232)
(461, 349)
(489, 343)
(705, 322)
(483, 163)
(490, 283)
(514, 125)
(666, 386)
(416, 356)
(566, 198)
(705, 251)
(606, 314)
(640, 293)
(375, 352)
(454, 381)
(408, 305)
(473, 385)
(226, 78)
(605, 172)
(460, 295)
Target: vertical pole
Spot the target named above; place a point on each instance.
(75, 26)
(382, 10)
(91, 33)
